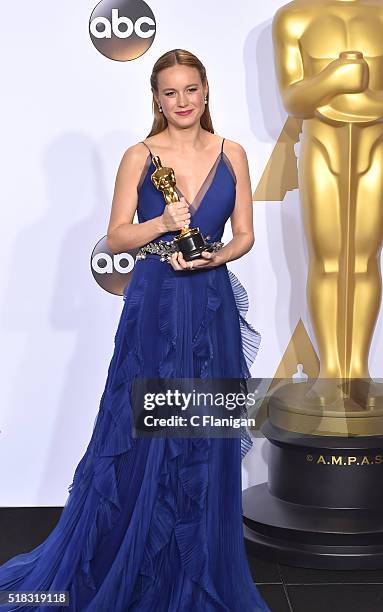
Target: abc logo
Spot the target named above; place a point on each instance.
(122, 29)
(117, 21)
(112, 272)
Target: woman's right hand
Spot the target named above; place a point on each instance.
(176, 215)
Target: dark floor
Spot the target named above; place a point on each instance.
(293, 589)
(285, 589)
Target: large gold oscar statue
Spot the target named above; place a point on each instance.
(329, 61)
(323, 502)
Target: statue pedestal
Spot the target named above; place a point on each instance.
(322, 506)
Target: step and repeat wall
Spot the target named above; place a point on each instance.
(71, 106)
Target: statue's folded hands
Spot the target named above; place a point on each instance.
(354, 107)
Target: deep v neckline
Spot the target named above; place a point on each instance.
(205, 185)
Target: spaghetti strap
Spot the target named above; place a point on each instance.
(223, 140)
(144, 143)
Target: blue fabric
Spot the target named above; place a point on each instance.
(155, 524)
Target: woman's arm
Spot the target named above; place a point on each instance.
(122, 233)
(242, 215)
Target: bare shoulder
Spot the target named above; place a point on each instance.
(235, 152)
(135, 155)
(132, 163)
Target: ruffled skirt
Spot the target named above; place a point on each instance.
(155, 524)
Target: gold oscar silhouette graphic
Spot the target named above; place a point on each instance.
(323, 502)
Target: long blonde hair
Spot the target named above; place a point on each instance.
(169, 59)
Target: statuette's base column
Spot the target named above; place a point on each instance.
(322, 506)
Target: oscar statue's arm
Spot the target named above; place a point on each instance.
(302, 94)
(362, 107)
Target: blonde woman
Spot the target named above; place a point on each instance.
(154, 524)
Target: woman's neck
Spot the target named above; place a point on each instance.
(186, 139)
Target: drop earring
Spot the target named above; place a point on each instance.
(160, 108)
(205, 100)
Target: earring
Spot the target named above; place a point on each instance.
(205, 100)
(160, 108)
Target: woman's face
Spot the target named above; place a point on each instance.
(181, 95)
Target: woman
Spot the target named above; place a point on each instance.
(154, 524)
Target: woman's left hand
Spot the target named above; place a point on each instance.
(207, 260)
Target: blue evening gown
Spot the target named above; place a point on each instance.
(155, 524)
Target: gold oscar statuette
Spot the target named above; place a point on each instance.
(190, 241)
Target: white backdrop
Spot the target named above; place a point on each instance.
(68, 115)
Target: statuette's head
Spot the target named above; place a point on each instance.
(164, 179)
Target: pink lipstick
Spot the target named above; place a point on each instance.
(184, 113)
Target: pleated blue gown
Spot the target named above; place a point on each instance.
(155, 524)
